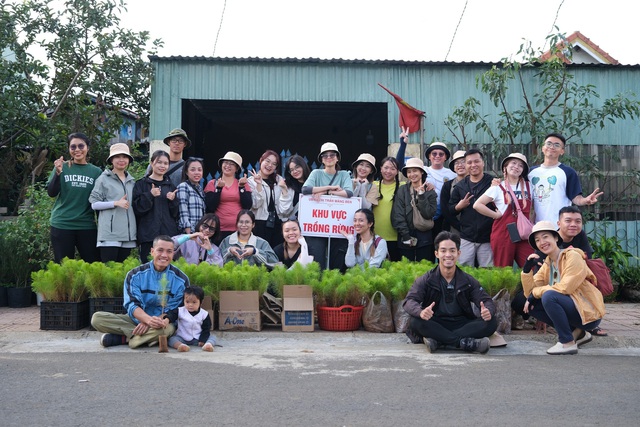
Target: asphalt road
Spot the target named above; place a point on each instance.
(320, 382)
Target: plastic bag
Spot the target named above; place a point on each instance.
(401, 318)
(377, 317)
(502, 301)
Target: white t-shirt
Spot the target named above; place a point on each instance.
(496, 194)
(554, 187)
(438, 177)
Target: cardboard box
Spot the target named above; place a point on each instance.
(297, 312)
(207, 304)
(239, 311)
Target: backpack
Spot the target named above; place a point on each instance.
(603, 276)
(375, 245)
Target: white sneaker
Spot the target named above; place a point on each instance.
(561, 349)
(584, 340)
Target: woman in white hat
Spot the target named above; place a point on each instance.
(364, 168)
(228, 195)
(73, 223)
(561, 293)
(414, 244)
(451, 222)
(111, 197)
(513, 189)
(332, 181)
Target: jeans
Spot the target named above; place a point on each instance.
(471, 252)
(559, 311)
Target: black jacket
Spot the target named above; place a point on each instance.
(426, 289)
(155, 215)
(473, 226)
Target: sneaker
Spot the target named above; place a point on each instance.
(207, 347)
(475, 345)
(584, 339)
(432, 345)
(109, 340)
(561, 349)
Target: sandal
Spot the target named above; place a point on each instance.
(597, 332)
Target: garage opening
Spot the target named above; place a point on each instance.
(251, 127)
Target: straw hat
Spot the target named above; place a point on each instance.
(543, 226)
(413, 162)
(438, 146)
(328, 146)
(457, 155)
(177, 132)
(367, 158)
(522, 158)
(119, 148)
(233, 157)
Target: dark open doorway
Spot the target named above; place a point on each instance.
(251, 127)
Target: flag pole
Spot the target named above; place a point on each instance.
(422, 130)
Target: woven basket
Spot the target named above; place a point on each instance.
(343, 318)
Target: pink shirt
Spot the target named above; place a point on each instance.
(229, 204)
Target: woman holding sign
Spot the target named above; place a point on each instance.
(330, 181)
(412, 214)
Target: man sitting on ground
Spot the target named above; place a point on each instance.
(144, 289)
(439, 303)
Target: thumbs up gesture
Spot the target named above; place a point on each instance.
(171, 194)
(122, 203)
(155, 191)
(484, 312)
(427, 313)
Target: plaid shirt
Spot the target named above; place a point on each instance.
(191, 205)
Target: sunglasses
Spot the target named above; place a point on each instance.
(74, 147)
(206, 227)
(328, 155)
(195, 159)
(437, 154)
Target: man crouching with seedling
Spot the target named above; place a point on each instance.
(150, 291)
(439, 303)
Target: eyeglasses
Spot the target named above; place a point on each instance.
(437, 153)
(176, 141)
(328, 155)
(295, 168)
(269, 162)
(73, 147)
(206, 227)
(550, 144)
(245, 222)
(195, 159)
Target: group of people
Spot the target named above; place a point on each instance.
(238, 218)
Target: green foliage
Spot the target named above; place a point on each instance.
(91, 67)
(25, 240)
(611, 252)
(62, 282)
(547, 99)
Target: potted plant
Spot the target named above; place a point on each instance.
(66, 304)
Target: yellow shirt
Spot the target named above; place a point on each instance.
(382, 212)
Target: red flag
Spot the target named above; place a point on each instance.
(409, 116)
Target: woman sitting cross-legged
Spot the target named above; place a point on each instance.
(244, 245)
(560, 293)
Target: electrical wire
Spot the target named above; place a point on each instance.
(224, 7)
(456, 31)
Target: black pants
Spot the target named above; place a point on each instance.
(418, 254)
(450, 330)
(65, 242)
(272, 235)
(114, 253)
(144, 251)
(318, 249)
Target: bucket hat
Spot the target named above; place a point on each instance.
(232, 157)
(543, 226)
(119, 148)
(438, 146)
(413, 162)
(457, 155)
(328, 146)
(522, 158)
(367, 158)
(177, 132)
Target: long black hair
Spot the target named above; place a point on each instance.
(397, 165)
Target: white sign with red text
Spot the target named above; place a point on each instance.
(327, 216)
